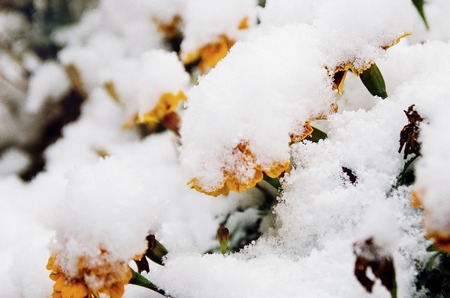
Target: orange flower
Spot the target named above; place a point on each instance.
(233, 177)
(91, 280)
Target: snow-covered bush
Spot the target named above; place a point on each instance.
(217, 148)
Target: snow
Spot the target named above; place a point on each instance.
(232, 105)
(107, 188)
(13, 161)
(48, 83)
(140, 83)
(99, 211)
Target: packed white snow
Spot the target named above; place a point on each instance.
(106, 187)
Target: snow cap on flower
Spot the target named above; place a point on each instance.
(352, 32)
(212, 27)
(102, 225)
(150, 87)
(354, 35)
(239, 123)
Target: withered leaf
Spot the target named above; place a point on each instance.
(350, 174)
(371, 256)
(410, 133)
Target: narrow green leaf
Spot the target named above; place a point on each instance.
(393, 291)
(374, 82)
(141, 281)
(419, 6)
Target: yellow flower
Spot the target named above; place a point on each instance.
(170, 29)
(307, 129)
(91, 280)
(245, 159)
(166, 105)
(211, 53)
(243, 25)
(441, 238)
(233, 181)
(339, 73)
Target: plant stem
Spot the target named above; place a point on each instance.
(393, 291)
(401, 176)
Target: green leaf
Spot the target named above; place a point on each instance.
(316, 135)
(374, 82)
(432, 261)
(223, 236)
(155, 251)
(275, 182)
(431, 248)
(139, 280)
(419, 6)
